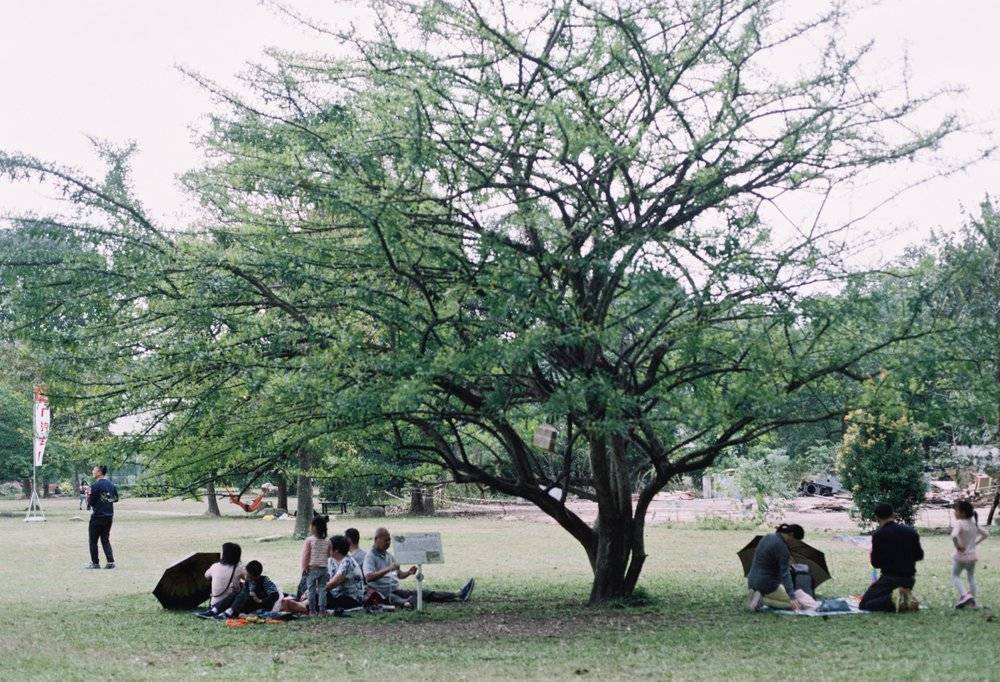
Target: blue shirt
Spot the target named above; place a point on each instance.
(376, 560)
(262, 587)
(103, 495)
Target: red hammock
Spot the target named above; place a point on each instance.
(247, 507)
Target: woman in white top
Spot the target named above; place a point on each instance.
(225, 574)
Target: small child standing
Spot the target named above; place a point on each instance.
(966, 535)
(315, 553)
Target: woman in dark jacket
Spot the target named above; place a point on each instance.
(770, 577)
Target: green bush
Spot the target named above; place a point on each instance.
(11, 489)
(881, 460)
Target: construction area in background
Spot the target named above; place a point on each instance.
(719, 503)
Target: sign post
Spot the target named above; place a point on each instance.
(419, 549)
(41, 418)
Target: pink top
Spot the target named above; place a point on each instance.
(225, 579)
(315, 552)
(967, 533)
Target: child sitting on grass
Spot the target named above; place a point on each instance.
(966, 535)
(259, 593)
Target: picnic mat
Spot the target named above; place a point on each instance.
(852, 604)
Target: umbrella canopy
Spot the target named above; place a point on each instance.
(801, 554)
(184, 585)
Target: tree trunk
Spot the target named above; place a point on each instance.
(611, 560)
(213, 501)
(615, 527)
(416, 500)
(304, 500)
(993, 509)
(26, 487)
(45, 486)
(282, 492)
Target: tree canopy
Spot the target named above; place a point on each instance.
(483, 220)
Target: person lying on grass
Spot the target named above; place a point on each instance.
(259, 593)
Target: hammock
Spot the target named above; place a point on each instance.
(248, 507)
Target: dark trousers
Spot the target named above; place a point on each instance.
(100, 527)
(341, 601)
(240, 602)
(399, 596)
(878, 597)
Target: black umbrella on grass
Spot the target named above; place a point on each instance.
(801, 554)
(184, 585)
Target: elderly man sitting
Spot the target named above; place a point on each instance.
(383, 574)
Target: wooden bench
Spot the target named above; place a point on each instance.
(326, 504)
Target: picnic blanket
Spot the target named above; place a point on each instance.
(840, 606)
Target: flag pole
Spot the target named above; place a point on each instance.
(40, 431)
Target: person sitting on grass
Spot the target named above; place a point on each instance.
(225, 574)
(895, 551)
(353, 538)
(770, 576)
(346, 586)
(383, 574)
(259, 593)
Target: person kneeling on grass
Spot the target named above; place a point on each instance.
(895, 550)
(770, 578)
(259, 593)
(383, 574)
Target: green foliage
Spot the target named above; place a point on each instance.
(765, 478)
(15, 433)
(426, 250)
(882, 459)
(361, 479)
(725, 523)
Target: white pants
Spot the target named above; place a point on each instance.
(956, 576)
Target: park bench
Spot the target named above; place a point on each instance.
(326, 504)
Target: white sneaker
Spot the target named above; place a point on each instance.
(755, 600)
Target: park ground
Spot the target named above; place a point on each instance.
(527, 619)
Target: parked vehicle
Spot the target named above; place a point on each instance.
(824, 485)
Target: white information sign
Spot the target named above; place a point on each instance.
(418, 548)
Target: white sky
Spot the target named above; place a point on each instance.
(107, 68)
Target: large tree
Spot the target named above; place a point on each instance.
(486, 220)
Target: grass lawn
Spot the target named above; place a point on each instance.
(526, 620)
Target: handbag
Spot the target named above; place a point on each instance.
(373, 599)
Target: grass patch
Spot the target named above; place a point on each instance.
(527, 618)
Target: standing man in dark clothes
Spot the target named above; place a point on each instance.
(102, 498)
(895, 551)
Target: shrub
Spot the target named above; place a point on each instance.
(881, 460)
(11, 489)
